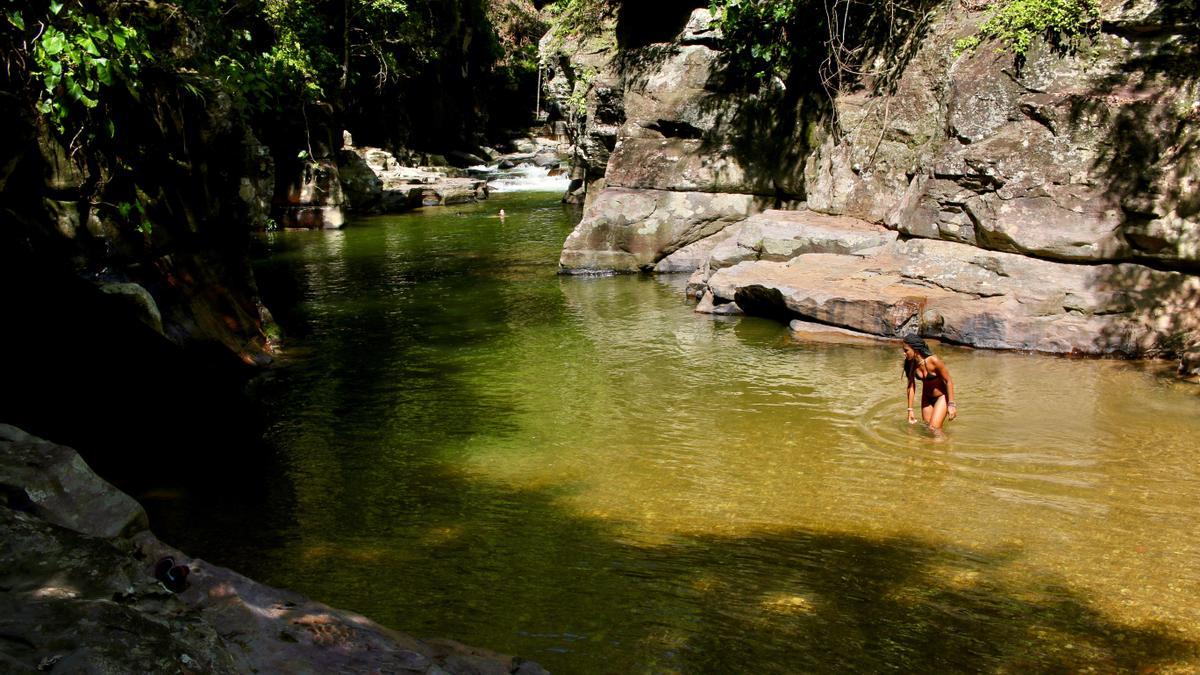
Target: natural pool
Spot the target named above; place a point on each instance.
(584, 472)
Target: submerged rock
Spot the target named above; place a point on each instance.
(819, 332)
(708, 305)
(78, 594)
(1189, 363)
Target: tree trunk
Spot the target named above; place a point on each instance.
(345, 44)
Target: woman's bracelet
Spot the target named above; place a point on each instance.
(952, 404)
(910, 410)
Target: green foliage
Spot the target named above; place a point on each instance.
(1017, 23)
(135, 212)
(579, 18)
(518, 30)
(316, 48)
(270, 55)
(577, 101)
(298, 55)
(760, 35)
(73, 56)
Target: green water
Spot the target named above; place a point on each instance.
(584, 472)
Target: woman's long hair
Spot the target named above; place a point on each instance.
(918, 344)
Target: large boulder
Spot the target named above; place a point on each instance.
(82, 604)
(671, 94)
(136, 300)
(53, 483)
(677, 164)
(256, 187)
(360, 182)
(1067, 157)
(1014, 192)
(314, 198)
(585, 97)
(823, 287)
(701, 29)
(695, 256)
(782, 235)
(630, 230)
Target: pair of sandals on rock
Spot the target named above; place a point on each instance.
(173, 576)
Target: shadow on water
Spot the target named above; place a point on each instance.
(407, 540)
(784, 601)
(403, 489)
(376, 325)
(158, 420)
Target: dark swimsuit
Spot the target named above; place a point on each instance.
(928, 377)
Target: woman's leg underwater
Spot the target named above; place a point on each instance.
(938, 416)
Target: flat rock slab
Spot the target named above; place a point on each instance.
(696, 255)
(379, 183)
(838, 290)
(971, 296)
(782, 235)
(809, 331)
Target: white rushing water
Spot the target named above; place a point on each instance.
(524, 179)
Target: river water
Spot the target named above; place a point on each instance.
(584, 472)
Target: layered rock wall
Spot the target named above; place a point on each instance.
(1069, 181)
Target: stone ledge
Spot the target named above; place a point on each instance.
(970, 296)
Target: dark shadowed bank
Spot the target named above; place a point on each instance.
(78, 594)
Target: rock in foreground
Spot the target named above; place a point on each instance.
(76, 598)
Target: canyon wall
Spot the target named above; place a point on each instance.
(1049, 203)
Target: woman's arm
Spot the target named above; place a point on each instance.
(950, 400)
(912, 392)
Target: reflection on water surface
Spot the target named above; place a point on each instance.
(584, 472)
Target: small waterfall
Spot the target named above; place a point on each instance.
(526, 178)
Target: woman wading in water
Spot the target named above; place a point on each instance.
(937, 392)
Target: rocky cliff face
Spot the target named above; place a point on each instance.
(1051, 207)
